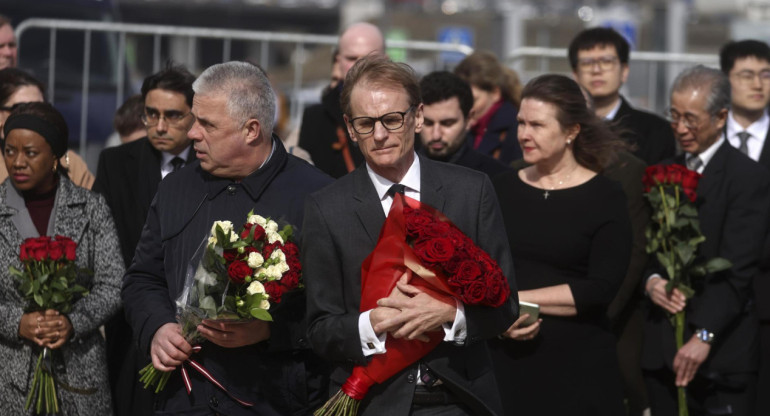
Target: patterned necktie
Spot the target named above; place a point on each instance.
(177, 162)
(744, 138)
(694, 163)
(396, 188)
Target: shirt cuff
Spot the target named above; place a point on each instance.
(370, 343)
(456, 331)
(646, 282)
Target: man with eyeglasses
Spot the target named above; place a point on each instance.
(599, 60)
(383, 112)
(718, 361)
(747, 64)
(128, 177)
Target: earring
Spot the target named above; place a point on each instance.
(569, 142)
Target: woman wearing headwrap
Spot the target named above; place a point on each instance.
(38, 199)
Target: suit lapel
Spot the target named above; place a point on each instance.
(368, 208)
(713, 172)
(149, 173)
(431, 186)
(764, 155)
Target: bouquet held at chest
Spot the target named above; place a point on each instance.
(673, 236)
(240, 274)
(418, 239)
(48, 281)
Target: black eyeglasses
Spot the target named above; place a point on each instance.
(173, 118)
(11, 108)
(391, 121)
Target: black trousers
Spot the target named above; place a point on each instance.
(732, 395)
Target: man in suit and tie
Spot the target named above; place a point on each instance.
(718, 362)
(128, 177)
(747, 64)
(448, 107)
(383, 112)
(599, 60)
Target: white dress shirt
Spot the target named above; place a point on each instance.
(370, 342)
(166, 166)
(757, 130)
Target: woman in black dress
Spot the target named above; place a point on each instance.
(571, 240)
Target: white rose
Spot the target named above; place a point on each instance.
(282, 267)
(264, 304)
(255, 287)
(212, 240)
(225, 225)
(272, 237)
(271, 227)
(278, 254)
(273, 272)
(257, 219)
(255, 260)
(233, 237)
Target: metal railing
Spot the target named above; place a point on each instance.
(655, 85)
(227, 36)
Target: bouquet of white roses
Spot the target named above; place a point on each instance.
(238, 276)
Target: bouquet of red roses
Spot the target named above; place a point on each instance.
(239, 274)
(673, 235)
(418, 238)
(47, 280)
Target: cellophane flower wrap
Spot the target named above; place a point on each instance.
(673, 236)
(235, 275)
(48, 280)
(418, 238)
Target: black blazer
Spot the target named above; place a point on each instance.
(651, 134)
(128, 177)
(733, 205)
(341, 227)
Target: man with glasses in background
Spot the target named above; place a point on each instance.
(747, 64)
(718, 361)
(599, 60)
(128, 177)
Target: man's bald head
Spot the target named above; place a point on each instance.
(357, 41)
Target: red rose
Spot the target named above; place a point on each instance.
(70, 247)
(248, 250)
(654, 175)
(274, 290)
(434, 250)
(690, 184)
(436, 229)
(36, 248)
(469, 271)
(56, 250)
(230, 255)
(474, 293)
(674, 174)
(238, 271)
(268, 249)
(416, 220)
(290, 250)
(246, 231)
(259, 232)
(497, 291)
(290, 280)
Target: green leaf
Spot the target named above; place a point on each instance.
(261, 314)
(717, 264)
(687, 291)
(696, 240)
(688, 210)
(697, 271)
(685, 252)
(38, 299)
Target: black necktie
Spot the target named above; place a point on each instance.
(396, 188)
(177, 162)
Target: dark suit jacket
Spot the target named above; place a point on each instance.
(471, 159)
(651, 134)
(733, 205)
(500, 140)
(762, 280)
(128, 177)
(280, 375)
(342, 225)
(318, 133)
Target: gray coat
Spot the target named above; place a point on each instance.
(81, 362)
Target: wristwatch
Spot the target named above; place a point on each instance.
(704, 335)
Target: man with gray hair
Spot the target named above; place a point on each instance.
(718, 361)
(241, 167)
